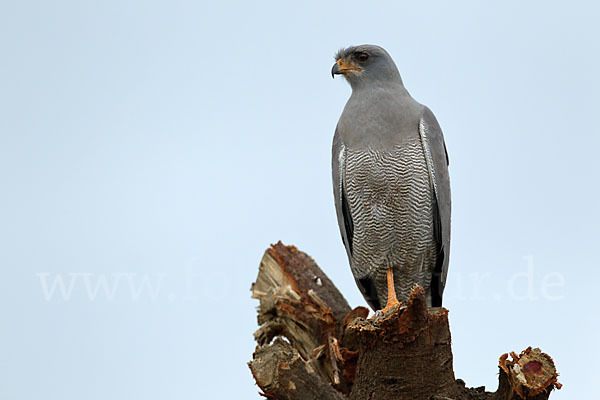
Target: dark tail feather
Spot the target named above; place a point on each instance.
(367, 287)
(435, 287)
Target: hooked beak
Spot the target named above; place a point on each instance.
(336, 70)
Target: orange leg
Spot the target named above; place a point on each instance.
(392, 301)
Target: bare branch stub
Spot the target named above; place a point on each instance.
(300, 303)
(529, 375)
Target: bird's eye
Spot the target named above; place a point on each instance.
(362, 57)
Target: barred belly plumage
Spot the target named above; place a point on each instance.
(391, 202)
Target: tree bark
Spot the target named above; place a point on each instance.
(410, 351)
(311, 345)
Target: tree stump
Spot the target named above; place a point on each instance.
(406, 351)
(311, 345)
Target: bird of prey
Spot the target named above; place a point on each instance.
(391, 184)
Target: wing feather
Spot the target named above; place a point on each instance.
(341, 203)
(434, 148)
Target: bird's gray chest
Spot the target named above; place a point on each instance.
(390, 198)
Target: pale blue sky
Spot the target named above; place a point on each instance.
(164, 145)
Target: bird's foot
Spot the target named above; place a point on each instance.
(390, 308)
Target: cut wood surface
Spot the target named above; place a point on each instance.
(311, 345)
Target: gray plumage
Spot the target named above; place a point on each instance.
(391, 184)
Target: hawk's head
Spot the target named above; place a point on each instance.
(365, 64)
